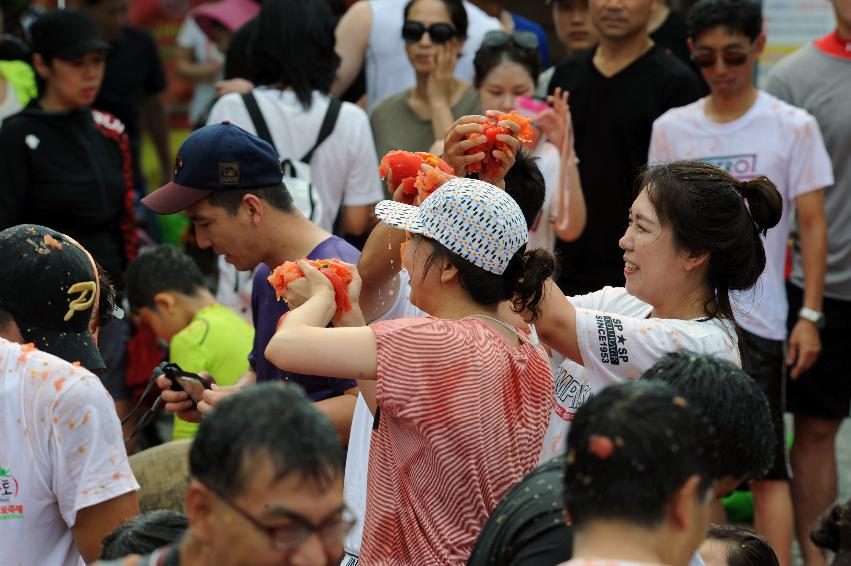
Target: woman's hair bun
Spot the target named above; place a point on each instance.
(763, 201)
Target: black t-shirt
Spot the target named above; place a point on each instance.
(527, 528)
(612, 119)
(61, 170)
(134, 71)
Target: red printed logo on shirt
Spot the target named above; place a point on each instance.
(8, 493)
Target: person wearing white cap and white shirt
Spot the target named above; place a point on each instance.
(467, 254)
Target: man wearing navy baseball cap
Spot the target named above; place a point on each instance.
(229, 183)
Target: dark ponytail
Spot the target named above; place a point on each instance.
(527, 272)
(522, 282)
(710, 211)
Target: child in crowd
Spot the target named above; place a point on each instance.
(728, 545)
(166, 290)
(477, 392)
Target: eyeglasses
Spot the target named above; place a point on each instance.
(499, 38)
(439, 34)
(730, 58)
(332, 532)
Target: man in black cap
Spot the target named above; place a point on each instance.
(64, 477)
(228, 183)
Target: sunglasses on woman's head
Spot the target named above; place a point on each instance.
(730, 58)
(439, 34)
(499, 38)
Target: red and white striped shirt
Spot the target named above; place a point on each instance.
(462, 418)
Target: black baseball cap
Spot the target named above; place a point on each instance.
(50, 286)
(65, 34)
(217, 157)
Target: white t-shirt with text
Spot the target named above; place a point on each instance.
(618, 342)
(61, 450)
(774, 139)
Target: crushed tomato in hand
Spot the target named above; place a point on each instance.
(337, 273)
(489, 166)
(404, 168)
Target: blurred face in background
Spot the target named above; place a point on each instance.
(422, 48)
(71, 83)
(503, 84)
(726, 59)
(110, 16)
(617, 20)
(573, 25)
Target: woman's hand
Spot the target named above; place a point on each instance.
(314, 282)
(505, 159)
(456, 144)
(353, 317)
(214, 396)
(399, 195)
(552, 121)
(442, 79)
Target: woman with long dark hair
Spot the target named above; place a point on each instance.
(694, 235)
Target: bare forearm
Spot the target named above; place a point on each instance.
(556, 327)
(355, 220)
(248, 378)
(813, 234)
(339, 411)
(571, 227)
(379, 266)
(441, 118)
(198, 72)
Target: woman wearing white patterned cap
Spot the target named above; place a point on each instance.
(462, 397)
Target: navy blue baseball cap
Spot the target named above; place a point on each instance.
(218, 157)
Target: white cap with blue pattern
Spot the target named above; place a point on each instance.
(472, 218)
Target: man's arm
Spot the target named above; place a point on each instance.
(379, 266)
(155, 121)
(352, 33)
(355, 220)
(188, 68)
(95, 522)
(340, 410)
(804, 340)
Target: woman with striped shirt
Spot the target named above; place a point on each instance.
(461, 397)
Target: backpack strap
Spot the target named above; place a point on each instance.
(257, 118)
(326, 128)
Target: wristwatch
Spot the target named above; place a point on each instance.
(813, 316)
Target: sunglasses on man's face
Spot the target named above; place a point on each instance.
(439, 34)
(708, 58)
